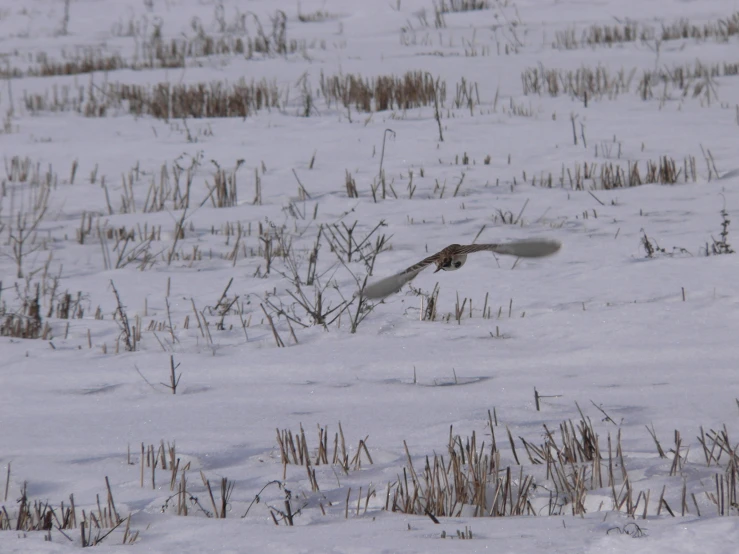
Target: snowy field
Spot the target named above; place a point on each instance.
(194, 192)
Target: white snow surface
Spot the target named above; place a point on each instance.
(636, 342)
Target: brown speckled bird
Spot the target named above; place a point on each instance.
(454, 257)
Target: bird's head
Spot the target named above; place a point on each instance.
(450, 263)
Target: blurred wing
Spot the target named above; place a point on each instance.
(389, 285)
(530, 248)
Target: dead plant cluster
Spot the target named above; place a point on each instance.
(317, 16)
(23, 170)
(130, 246)
(570, 463)
(294, 450)
(455, 6)
(313, 299)
(721, 245)
(414, 89)
(241, 99)
(614, 34)
(218, 498)
(163, 101)
(716, 246)
(163, 460)
(246, 36)
(25, 322)
(720, 30)
(608, 175)
(449, 485)
(585, 82)
(725, 496)
(35, 302)
(472, 480)
(429, 307)
(66, 99)
(29, 203)
(168, 101)
(39, 515)
(174, 53)
(312, 296)
(170, 188)
(310, 299)
(608, 35)
(87, 61)
(696, 80)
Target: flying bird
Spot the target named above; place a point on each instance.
(454, 257)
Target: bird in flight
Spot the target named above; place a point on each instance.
(454, 257)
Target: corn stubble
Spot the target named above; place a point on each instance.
(95, 524)
(217, 99)
(471, 480)
(570, 464)
(596, 83)
(720, 30)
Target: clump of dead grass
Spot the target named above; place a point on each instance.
(720, 30)
(88, 61)
(317, 16)
(39, 515)
(247, 36)
(169, 101)
(162, 101)
(414, 89)
(25, 322)
(608, 175)
(456, 6)
(202, 100)
(721, 245)
(571, 462)
(35, 302)
(473, 481)
(294, 450)
(606, 35)
(593, 83)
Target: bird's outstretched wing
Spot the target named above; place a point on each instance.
(529, 248)
(389, 285)
(532, 248)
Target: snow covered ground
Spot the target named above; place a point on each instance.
(629, 332)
